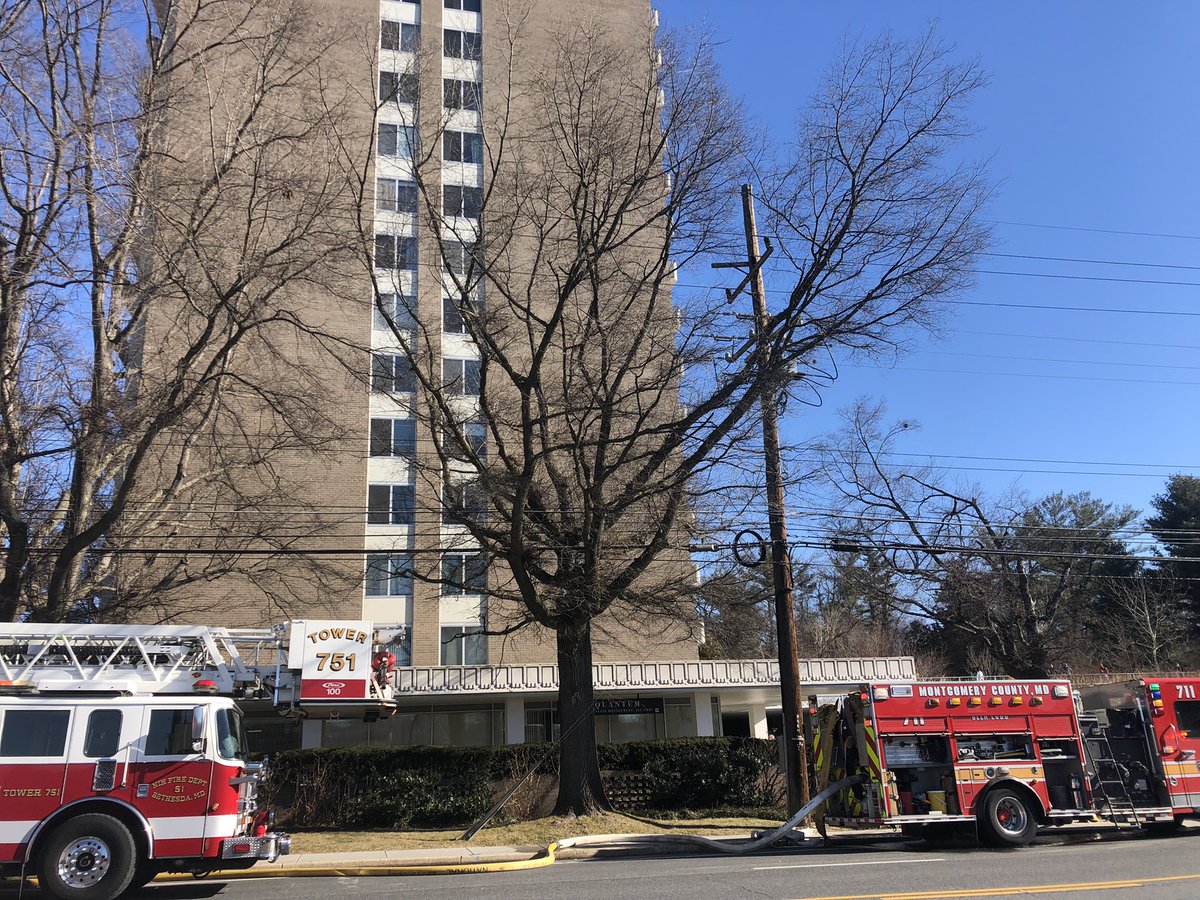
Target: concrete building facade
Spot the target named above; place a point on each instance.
(409, 88)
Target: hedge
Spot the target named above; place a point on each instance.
(404, 787)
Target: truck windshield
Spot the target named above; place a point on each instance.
(231, 736)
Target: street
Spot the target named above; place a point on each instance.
(1055, 866)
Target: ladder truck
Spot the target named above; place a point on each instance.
(122, 750)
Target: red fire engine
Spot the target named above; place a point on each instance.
(1007, 756)
(122, 751)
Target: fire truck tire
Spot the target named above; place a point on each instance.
(90, 857)
(143, 874)
(1006, 820)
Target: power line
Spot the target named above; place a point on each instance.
(1094, 262)
(1043, 359)
(1080, 340)
(1155, 234)
(1057, 377)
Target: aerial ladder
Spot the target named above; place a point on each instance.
(243, 663)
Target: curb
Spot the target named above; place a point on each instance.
(541, 860)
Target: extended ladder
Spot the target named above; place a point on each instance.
(138, 658)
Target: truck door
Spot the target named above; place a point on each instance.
(172, 781)
(102, 745)
(1182, 767)
(33, 769)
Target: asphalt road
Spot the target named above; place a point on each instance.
(1139, 868)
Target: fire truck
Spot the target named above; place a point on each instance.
(122, 749)
(1004, 757)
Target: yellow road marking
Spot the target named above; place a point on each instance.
(1014, 891)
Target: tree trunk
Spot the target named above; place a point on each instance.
(580, 791)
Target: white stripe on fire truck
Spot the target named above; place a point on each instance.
(164, 828)
(16, 832)
(172, 828)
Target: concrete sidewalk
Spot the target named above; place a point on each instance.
(469, 856)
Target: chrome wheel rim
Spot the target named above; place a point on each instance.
(1011, 815)
(84, 862)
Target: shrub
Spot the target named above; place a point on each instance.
(406, 787)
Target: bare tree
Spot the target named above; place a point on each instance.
(604, 413)
(1010, 583)
(156, 226)
(1142, 623)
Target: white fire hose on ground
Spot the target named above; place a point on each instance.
(765, 840)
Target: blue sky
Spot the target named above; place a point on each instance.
(1092, 126)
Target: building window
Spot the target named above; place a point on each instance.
(461, 376)
(390, 504)
(402, 648)
(389, 575)
(462, 201)
(464, 645)
(462, 146)
(462, 502)
(456, 311)
(394, 312)
(474, 434)
(392, 373)
(393, 251)
(462, 44)
(465, 5)
(457, 257)
(464, 573)
(397, 87)
(466, 95)
(395, 195)
(399, 36)
(396, 140)
(394, 437)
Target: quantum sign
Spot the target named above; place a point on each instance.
(634, 706)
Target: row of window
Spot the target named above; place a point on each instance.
(407, 37)
(399, 195)
(393, 504)
(464, 5)
(392, 373)
(391, 574)
(398, 141)
(403, 87)
(398, 438)
(395, 251)
(394, 312)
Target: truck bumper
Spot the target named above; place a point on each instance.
(269, 847)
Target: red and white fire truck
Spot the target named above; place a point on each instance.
(1006, 756)
(122, 751)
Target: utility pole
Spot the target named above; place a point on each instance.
(781, 564)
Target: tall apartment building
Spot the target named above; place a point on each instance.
(411, 86)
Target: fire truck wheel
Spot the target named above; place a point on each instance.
(1007, 820)
(90, 857)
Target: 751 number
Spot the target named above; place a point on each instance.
(335, 662)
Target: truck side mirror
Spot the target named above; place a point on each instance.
(199, 720)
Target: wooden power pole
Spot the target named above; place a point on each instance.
(781, 562)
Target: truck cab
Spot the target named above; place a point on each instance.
(102, 792)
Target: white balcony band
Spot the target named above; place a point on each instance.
(418, 681)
